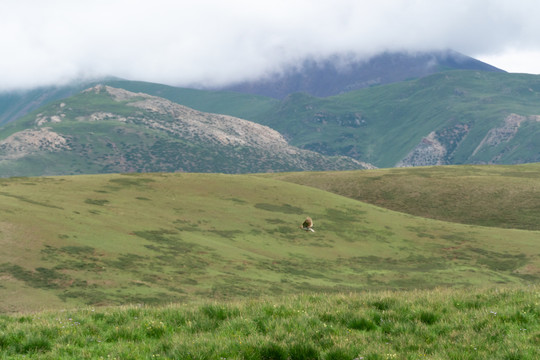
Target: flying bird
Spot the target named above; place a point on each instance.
(308, 225)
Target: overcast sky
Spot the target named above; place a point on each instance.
(218, 41)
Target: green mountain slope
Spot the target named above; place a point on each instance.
(497, 195)
(455, 117)
(110, 130)
(449, 118)
(160, 238)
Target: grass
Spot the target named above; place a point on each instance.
(495, 323)
(89, 240)
(213, 266)
(494, 196)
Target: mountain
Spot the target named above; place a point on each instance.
(329, 76)
(110, 130)
(340, 73)
(454, 117)
(16, 104)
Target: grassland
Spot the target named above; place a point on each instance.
(495, 196)
(167, 238)
(213, 266)
(420, 324)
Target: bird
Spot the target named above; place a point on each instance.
(308, 225)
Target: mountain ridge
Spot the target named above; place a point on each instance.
(341, 73)
(105, 129)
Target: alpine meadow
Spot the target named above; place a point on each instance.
(209, 266)
(145, 221)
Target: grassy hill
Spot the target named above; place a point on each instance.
(454, 117)
(498, 196)
(161, 238)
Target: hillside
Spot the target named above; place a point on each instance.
(342, 73)
(455, 117)
(107, 130)
(458, 117)
(162, 238)
(497, 196)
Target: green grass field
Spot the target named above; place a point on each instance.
(213, 266)
(495, 196)
(167, 238)
(419, 324)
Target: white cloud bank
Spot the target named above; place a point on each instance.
(217, 41)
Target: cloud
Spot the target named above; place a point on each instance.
(215, 42)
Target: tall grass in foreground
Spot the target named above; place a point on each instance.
(437, 324)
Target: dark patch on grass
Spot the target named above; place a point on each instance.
(275, 221)
(272, 351)
(131, 181)
(30, 201)
(88, 297)
(157, 236)
(41, 278)
(142, 198)
(175, 253)
(383, 304)
(457, 238)
(339, 354)
(128, 262)
(34, 344)
(99, 202)
(411, 263)
(498, 261)
(428, 317)
(186, 225)
(72, 257)
(303, 351)
(284, 230)
(78, 250)
(219, 312)
(238, 201)
(341, 216)
(227, 234)
(360, 323)
(284, 208)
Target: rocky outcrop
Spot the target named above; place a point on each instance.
(31, 141)
(437, 148)
(504, 133)
(428, 152)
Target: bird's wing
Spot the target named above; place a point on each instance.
(308, 222)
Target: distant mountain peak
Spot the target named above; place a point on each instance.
(340, 73)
